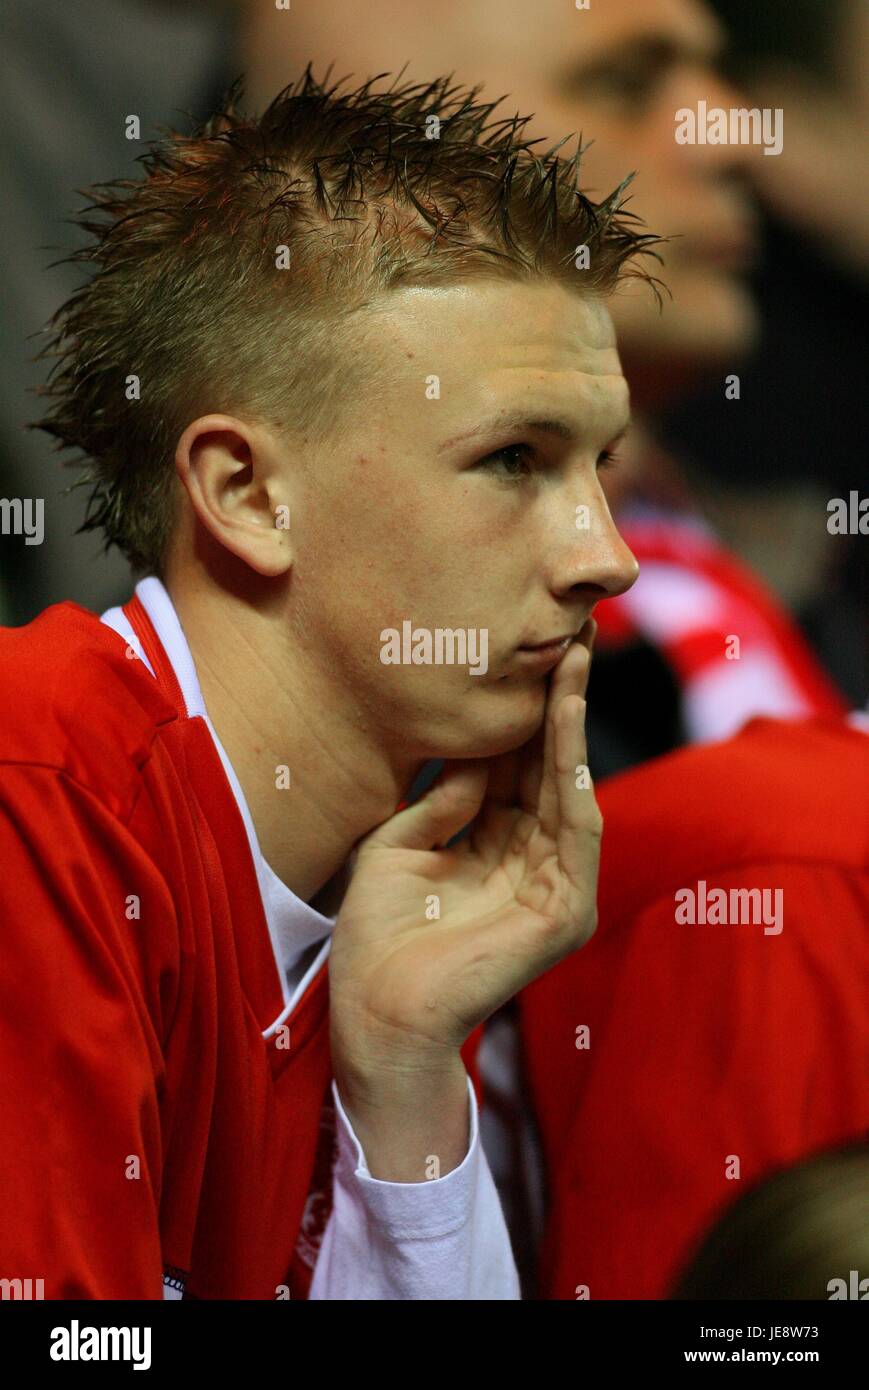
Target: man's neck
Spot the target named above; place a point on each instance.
(274, 710)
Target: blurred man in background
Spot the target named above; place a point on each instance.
(767, 466)
(617, 72)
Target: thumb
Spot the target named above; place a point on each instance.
(446, 808)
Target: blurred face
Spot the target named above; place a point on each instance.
(451, 502)
(617, 72)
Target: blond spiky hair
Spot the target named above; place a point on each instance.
(365, 191)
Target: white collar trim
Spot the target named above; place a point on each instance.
(294, 926)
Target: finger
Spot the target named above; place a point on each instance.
(447, 807)
(588, 634)
(569, 678)
(585, 639)
(579, 818)
(531, 774)
(547, 801)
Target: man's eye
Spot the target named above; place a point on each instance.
(513, 462)
(631, 88)
(516, 461)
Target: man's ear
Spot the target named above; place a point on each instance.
(231, 473)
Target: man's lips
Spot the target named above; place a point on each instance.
(563, 641)
(545, 655)
(732, 246)
(729, 255)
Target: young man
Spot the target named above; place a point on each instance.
(618, 72)
(315, 349)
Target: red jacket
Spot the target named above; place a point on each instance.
(707, 1042)
(148, 1128)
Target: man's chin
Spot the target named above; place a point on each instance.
(500, 728)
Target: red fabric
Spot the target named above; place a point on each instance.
(739, 604)
(705, 1040)
(148, 1127)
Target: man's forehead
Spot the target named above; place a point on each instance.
(511, 316)
(487, 347)
(492, 35)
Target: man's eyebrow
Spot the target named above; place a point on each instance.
(651, 50)
(558, 428)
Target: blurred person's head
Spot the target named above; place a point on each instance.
(801, 1234)
(616, 72)
(384, 384)
(810, 60)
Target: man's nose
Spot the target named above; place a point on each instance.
(718, 93)
(599, 558)
(620, 568)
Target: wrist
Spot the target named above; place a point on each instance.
(413, 1124)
